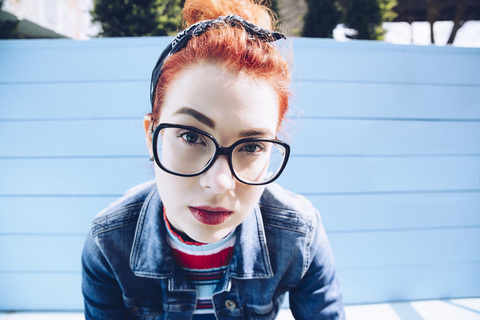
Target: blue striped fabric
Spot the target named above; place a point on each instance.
(203, 265)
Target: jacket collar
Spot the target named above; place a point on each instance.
(151, 255)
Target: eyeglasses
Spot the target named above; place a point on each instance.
(187, 151)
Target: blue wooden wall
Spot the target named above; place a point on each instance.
(386, 144)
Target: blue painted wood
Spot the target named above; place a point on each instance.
(311, 99)
(353, 250)
(46, 253)
(356, 250)
(84, 100)
(417, 282)
(73, 176)
(48, 291)
(381, 174)
(386, 137)
(389, 134)
(379, 62)
(125, 137)
(41, 291)
(397, 211)
(321, 60)
(117, 137)
(50, 215)
(385, 101)
(65, 61)
(106, 176)
(53, 215)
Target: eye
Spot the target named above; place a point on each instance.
(252, 147)
(191, 137)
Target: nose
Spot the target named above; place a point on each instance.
(218, 178)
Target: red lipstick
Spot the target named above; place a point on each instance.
(210, 216)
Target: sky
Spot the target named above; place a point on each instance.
(418, 33)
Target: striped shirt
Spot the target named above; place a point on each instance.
(203, 265)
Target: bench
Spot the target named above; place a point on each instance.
(385, 143)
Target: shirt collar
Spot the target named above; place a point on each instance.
(151, 255)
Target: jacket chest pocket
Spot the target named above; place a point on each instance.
(145, 308)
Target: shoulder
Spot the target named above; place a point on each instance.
(124, 211)
(285, 209)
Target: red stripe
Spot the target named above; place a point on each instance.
(215, 260)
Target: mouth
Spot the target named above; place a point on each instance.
(210, 216)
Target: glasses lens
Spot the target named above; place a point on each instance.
(258, 161)
(184, 151)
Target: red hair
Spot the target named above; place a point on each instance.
(229, 47)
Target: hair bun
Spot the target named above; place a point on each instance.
(198, 10)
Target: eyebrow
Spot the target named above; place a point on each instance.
(256, 132)
(200, 117)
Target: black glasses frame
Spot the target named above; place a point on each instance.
(219, 151)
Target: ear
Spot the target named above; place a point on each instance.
(147, 126)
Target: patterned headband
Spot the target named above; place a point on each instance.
(255, 32)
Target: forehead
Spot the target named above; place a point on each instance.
(233, 101)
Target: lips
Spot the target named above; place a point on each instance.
(210, 216)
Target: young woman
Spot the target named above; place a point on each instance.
(211, 237)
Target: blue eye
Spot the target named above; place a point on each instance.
(190, 137)
(253, 148)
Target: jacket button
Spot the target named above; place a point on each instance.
(230, 304)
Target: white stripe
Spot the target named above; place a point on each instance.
(203, 311)
(200, 250)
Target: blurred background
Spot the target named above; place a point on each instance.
(425, 22)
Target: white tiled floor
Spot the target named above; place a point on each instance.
(455, 309)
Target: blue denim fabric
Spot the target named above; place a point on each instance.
(129, 271)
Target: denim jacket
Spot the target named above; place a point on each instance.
(129, 271)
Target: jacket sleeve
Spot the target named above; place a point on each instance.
(101, 292)
(318, 294)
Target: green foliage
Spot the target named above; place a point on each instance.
(126, 18)
(273, 5)
(321, 18)
(8, 28)
(367, 17)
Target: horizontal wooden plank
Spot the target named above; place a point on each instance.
(405, 247)
(339, 212)
(53, 291)
(404, 283)
(75, 138)
(352, 250)
(315, 59)
(41, 291)
(41, 253)
(371, 175)
(385, 101)
(126, 137)
(88, 100)
(65, 215)
(80, 61)
(311, 99)
(370, 212)
(370, 61)
(106, 176)
(49, 215)
(371, 137)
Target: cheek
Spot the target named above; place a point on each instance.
(249, 195)
(172, 189)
